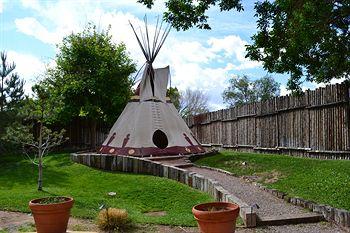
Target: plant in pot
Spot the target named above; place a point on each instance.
(216, 217)
(51, 214)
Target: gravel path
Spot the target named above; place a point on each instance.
(173, 161)
(250, 194)
(269, 205)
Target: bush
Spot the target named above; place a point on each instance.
(113, 219)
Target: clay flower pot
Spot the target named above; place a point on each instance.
(216, 217)
(51, 217)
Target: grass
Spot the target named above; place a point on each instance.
(322, 181)
(89, 187)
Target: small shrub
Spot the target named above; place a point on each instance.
(113, 219)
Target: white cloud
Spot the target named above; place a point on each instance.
(32, 27)
(333, 81)
(216, 106)
(233, 46)
(284, 91)
(1, 6)
(32, 4)
(191, 61)
(28, 67)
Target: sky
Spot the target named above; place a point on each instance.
(199, 59)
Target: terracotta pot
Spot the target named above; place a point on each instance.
(216, 217)
(51, 218)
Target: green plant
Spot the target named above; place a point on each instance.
(112, 219)
(36, 111)
(215, 208)
(52, 200)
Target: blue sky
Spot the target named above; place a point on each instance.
(199, 59)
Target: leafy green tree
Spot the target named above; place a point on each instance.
(266, 88)
(11, 86)
(11, 96)
(307, 38)
(91, 79)
(174, 95)
(239, 91)
(242, 90)
(184, 14)
(34, 113)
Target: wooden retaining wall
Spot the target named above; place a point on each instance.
(315, 124)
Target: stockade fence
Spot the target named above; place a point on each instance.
(315, 124)
(80, 135)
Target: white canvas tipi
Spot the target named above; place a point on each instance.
(150, 125)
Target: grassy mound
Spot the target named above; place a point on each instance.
(138, 194)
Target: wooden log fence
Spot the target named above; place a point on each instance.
(315, 124)
(79, 134)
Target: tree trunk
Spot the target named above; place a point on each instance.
(40, 156)
(93, 127)
(40, 178)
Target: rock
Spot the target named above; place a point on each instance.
(112, 194)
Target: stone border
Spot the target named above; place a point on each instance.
(341, 217)
(144, 166)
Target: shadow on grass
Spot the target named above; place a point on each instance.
(23, 172)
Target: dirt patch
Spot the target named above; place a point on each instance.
(264, 177)
(270, 177)
(14, 221)
(10, 220)
(77, 224)
(155, 213)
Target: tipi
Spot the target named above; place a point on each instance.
(150, 125)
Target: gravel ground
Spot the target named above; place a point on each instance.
(173, 161)
(250, 194)
(12, 220)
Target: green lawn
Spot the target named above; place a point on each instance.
(89, 187)
(322, 181)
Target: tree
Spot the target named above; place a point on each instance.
(184, 14)
(11, 96)
(11, 86)
(307, 38)
(193, 103)
(242, 90)
(34, 113)
(91, 79)
(266, 88)
(174, 95)
(239, 91)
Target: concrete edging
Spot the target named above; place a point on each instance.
(144, 166)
